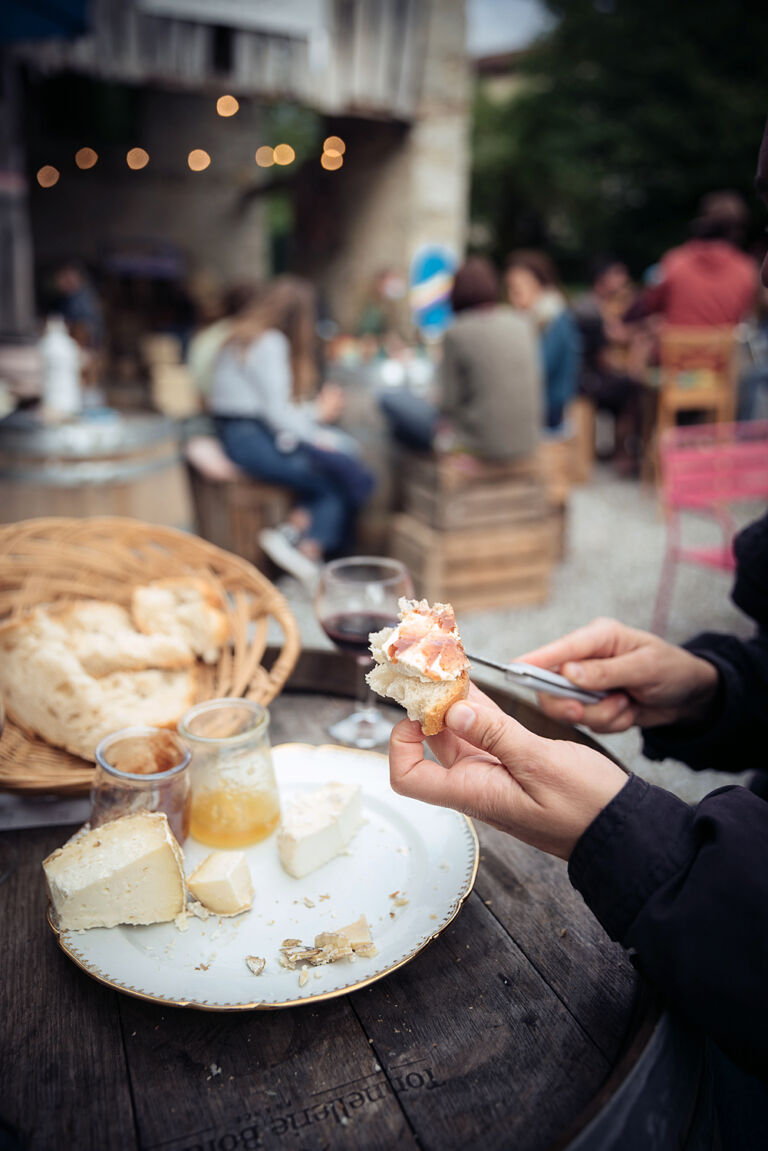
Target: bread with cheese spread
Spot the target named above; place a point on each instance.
(421, 663)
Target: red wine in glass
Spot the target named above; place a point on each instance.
(350, 630)
(355, 597)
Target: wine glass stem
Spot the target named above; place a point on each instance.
(366, 697)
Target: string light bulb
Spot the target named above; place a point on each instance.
(198, 160)
(137, 159)
(265, 156)
(284, 154)
(331, 161)
(334, 145)
(227, 106)
(86, 158)
(47, 176)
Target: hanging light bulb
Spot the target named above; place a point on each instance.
(331, 161)
(227, 106)
(198, 160)
(284, 154)
(334, 145)
(137, 159)
(86, 158)
(47, 176)
(265, 156)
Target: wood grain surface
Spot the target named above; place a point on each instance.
(497, 1036)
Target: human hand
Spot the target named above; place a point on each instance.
(649, 681)
(544, 792)
(330, 403)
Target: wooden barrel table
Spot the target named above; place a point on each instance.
(129, 465)
(521, 1026)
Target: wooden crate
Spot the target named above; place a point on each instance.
(581, 420)
(231, 513)
(486, 504)
(492, 566)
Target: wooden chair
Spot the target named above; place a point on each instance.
(707, 469)
(697, 373)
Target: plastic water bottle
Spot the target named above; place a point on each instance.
(61, 369)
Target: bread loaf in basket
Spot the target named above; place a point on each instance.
(59, 561)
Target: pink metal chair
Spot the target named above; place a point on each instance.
(707, 469)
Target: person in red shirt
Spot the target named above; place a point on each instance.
(707, 281)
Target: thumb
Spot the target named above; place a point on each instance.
(485, 726)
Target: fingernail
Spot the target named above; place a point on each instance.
(573, 671)
(572, 712)
(460, 718)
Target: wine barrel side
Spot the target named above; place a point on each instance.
(129, 466)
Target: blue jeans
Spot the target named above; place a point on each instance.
(412, 420)
(330, 486)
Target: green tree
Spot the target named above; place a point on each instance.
(628, 112)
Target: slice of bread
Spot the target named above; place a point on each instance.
(48, 692)
(425, 697)
(104, 640)
(186, 607)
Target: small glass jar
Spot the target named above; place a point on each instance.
(142, 769)
(234, 792)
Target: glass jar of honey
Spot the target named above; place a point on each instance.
(142, 769)
(234, 793)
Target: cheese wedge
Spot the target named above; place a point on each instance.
(222, 883)
(317, 827)
(127, 871)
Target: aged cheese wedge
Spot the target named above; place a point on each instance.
(222, 883)
(317, 826)
(127, 871)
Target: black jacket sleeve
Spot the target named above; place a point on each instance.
(685, 889)
(735, 735)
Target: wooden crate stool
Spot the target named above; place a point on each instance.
(580, 419)
(478, 534)
(230, 507)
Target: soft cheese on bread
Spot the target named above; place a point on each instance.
(185, 607)
(126, 871)
(421, 663)
(317, 826)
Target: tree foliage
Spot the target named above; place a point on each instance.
(629, 110)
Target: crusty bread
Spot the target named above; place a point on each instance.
(424, 699)
(186, 607)
(48, 691)
(104, 640)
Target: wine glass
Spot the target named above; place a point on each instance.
(354, 597)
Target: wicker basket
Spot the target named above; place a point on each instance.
(47, 560)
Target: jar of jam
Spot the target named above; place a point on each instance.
(142, 769)
(234, 792)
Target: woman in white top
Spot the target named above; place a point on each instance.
(270, 427)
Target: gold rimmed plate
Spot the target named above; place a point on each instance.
(408, 870)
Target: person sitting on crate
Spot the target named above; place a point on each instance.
(490, 399)
(273, 426)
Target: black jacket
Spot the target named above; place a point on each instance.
(685, 888)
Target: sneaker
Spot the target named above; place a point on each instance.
(280, 545)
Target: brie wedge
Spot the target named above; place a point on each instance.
(317, 826)
(127, 871)
(222, 883)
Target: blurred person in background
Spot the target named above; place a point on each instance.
(275, 425)
(613, 356)
(533, 286)
(753, 382)
(489, 381)
(215, 319)
(707, 281)
(79, 304)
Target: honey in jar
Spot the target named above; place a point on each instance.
(234, 793)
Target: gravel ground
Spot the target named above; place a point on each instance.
(616, 538)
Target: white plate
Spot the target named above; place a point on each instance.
(427, 855)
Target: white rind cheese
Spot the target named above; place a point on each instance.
(317, 826)
(222, 883)
(127, 871)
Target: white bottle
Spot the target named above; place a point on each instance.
(61, 369)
